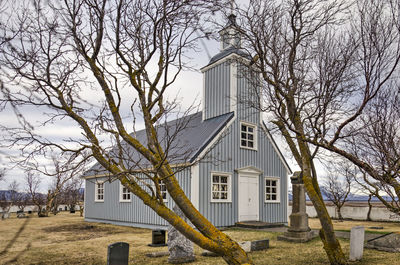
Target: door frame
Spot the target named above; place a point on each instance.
(249, 171)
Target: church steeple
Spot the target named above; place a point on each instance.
(230, 35)
(221, 80)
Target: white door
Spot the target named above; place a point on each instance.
(248, 198)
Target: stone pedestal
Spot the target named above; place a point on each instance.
(298, 231)
(180, 248)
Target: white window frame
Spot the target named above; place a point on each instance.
(229, 183)
(96, 190)
(162, 184)
(121, 193)
(278, 189)
(254, 135)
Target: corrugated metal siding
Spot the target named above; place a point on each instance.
(228, 156)
(134, 212)
(217, 92)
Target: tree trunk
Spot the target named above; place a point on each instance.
(339, 210)
(369, 208)
(331, 244)
(207, 237)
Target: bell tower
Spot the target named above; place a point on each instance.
(220, 79)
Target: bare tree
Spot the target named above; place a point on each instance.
(38, 199)
(126, 54)
(321, 63)
(337, 186)
(72, 195)
(374, 147)
(5, 204)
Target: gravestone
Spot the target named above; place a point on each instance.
(298, 231)
(180, 248)
(118, 254)
(21, 215)
(389, 243)
(356, 243)
(259, 244)
(157, 238)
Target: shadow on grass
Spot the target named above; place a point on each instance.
(14, 239)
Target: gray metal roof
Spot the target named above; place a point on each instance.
(227, 52)
(183, 140)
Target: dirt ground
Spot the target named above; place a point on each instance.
(67, 239)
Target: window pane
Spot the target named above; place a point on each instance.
(224, 195)
(244, 135)
(244, 143)
(224, 187)
(215, 195)
(250, 137)
(274, 197)
(268, 182)
(244, 128)
(215, 187)
(268, 197)
(215, 179)
(273, 182)
(224, 179)
(273, 190)
(250, 129)
(268, 190)
(250, 144)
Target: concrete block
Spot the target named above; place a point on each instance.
(356, 243)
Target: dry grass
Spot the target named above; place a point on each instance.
(66, 239)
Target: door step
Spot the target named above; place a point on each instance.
(258, 224)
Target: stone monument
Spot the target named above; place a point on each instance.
(298, 231)
(180, 248)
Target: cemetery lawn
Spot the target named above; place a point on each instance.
(67, 239)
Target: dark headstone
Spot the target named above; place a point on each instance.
(20, 211)
(72, 211)
(21, 215)
(29, 212)
(118, 254)
(158, 238)
(259, 244)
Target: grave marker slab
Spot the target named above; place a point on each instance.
(356, 243)
(118, 254)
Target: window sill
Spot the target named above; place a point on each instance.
(272, 201)
(248, 148)
(227, 201)
(126, 201)
(98, 201)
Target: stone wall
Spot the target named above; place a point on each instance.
(356, 212)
